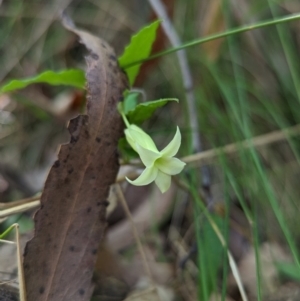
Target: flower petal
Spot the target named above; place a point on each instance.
(170, 166)
(130, 139)
(134, 135)
(172, 148)
(148, 157)
(147, 176)
(163, 181)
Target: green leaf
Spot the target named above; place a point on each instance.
(144, 111)
(288, 269)
(139, 48)
(70, 77)
(130, 102)
(211, 253)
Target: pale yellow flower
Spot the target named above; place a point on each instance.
(160, 165)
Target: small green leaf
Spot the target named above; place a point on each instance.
(144, 111)
(139, 48)
(130, 102)
(70, 77)
(289, 269)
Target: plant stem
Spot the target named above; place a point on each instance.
(242, 29)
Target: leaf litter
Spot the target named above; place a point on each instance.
(59, 261)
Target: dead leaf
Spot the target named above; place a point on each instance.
(59, 260)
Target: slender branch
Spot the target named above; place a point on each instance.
(21, 277)
(234, 147)
(7, 209)
(134, 231)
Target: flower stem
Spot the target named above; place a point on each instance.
(125, 120)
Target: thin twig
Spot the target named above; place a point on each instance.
(134, 231)
(19, 208)
(21, 277)
(257, 141)
(22, 288)
(20, 202)
(147, 270)
(7, 209)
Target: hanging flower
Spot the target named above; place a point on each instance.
(160, 165)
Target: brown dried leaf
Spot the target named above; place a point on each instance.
(59, 260)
